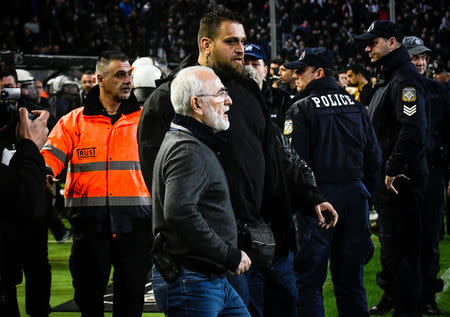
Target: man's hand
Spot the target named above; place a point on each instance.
(326, 215)
(244, 265)
(35, 130)
(389, 182)
(448, 189)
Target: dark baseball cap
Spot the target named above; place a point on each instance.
(381, 28)
(313, 56)
(255, 51)
(414, 45)
(440, 68)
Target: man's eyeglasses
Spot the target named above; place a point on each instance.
(222, 93)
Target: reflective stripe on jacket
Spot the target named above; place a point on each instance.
(105, 190)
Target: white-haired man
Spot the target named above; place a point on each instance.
(193, 221)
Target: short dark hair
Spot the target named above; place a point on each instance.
(89, 72)
(212, 21)
(278, 61)
(358, 69)
(9, 72)
(328, 72)
(107, 57)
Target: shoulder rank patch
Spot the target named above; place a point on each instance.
(409, 94)
(409, 111)
(288, 127)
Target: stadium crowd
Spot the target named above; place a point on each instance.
(232, 144)
(168, 28)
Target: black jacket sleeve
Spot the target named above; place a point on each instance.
(23, 182)
(302, 185)
(409, 106)
(372, 154)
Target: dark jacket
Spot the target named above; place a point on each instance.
(22, 187)
(397, 112)
(366, 94)
(278, 102)
(438, 107)
(191, 201)
(276, 205)
(332, 132)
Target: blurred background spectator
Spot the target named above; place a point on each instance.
(166, 29)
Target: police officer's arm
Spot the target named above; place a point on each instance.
(372, 154)
(409, 107)
(296, 129)
(58, 148)
(444, 93)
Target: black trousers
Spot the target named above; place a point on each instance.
(432, 223)
(91, 259)
(36, 268)
(401, 240)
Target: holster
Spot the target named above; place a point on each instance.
(164, 261)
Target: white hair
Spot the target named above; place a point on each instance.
(186, 85)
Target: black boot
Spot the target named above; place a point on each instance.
(384, 306)
(430, 307)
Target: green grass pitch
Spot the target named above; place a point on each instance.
(62, 290)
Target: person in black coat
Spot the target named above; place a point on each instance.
(22, 188)
(398, 115)
(263, 181)
(333, 134)
(438, 111)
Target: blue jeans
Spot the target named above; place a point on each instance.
(197, 294)
(270, 292)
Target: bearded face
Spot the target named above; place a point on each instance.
(227, 50)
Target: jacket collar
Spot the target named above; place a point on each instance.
(324, 83)
(200, 130)
(93, 106)
(389, 63)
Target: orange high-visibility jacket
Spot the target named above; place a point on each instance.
(105, 190)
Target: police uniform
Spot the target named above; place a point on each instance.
(332, 132)
(438, 107)
(397, 112)
(438, 112)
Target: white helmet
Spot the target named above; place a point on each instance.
(144, 81)
(57, 84)
(142, 61)
(27, 85)
(23, 75)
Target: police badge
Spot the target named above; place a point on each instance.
(409, 94)
(288, 127)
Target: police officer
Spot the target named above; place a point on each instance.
(277, 100)
(438, 109)
(333, 134)
(397, 112)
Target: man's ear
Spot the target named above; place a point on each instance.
(206, 45)
(393, 43)
(100, 80)
(18, 85)
(320, 73)
(196, 107)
